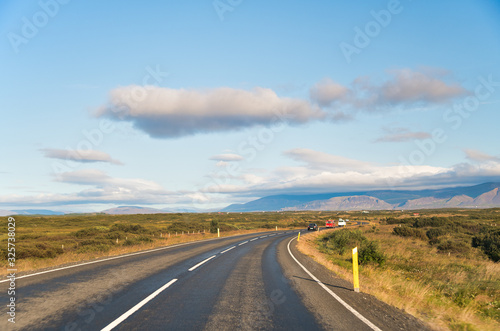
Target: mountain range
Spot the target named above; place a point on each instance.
(30, 212)
(485, 195)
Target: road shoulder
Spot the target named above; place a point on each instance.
(327, 310)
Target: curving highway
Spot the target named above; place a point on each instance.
(248, 282)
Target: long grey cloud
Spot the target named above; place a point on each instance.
(166, 113)
(79, 155)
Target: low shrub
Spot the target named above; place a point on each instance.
(214, 225)
(130, 228)
(406, 231)
(89, 232)
(435, 233)
(39, 250)
(342, 241)
(392, 220)
(489, 244)
(370, 252)
(454, 245)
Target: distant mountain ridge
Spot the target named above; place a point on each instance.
(29, 212)
(485, 195)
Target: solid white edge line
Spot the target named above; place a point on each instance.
(138, 306)
(199, 264)
(227, 250)
(342, 302)
(243, 243)
(113, 258)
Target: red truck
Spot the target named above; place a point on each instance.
(330, 223)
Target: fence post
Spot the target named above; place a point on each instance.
(355, 272)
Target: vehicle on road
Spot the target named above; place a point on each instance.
(330, 223)
(312, 226)
(342, 222)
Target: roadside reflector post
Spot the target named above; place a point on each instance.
(298, 237)
(218, 232)
(276, 228)
(355, 269)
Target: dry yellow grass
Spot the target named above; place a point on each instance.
(413, 294)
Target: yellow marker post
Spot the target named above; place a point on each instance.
(355, 269)
(298, 237)
(218, 233)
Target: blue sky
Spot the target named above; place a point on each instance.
(200, 104)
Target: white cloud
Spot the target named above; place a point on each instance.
(79, 155)
(166, 113)
(477, 156)
(100, 189)
(408, 86)
(322, 172)
(405, 87)
(401, 135)
(324, 161)
(227, 157)
(326, 92)
(101, 180)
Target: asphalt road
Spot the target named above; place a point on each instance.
(249, 282)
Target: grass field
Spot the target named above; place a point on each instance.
(441, 267)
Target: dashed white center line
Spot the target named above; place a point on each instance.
(120, 319)
(254, 239)
(199, 264)
(263, 237)
(243, 243)
(227, 250)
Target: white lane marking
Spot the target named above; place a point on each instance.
(138, 306)
(227, 250)
(254, 239)
(342, 302)
(199, 264)
(114, 258)
(263, 237)
(243, 243)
